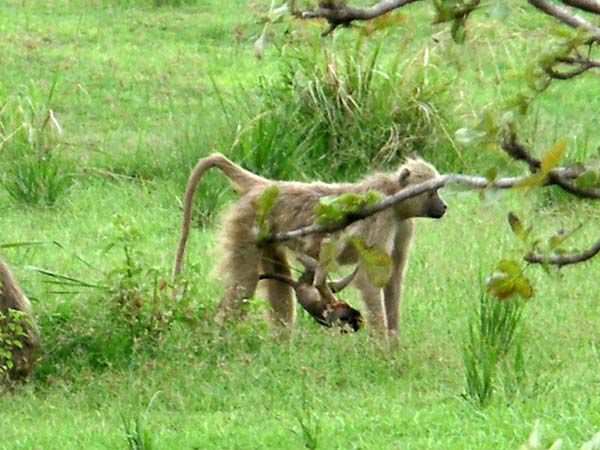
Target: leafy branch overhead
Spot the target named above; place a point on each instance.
(572, 13)
(568, 55)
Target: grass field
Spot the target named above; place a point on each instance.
(138, 93)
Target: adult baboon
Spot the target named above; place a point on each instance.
(243, 260)
(12, 298)
(243, 181)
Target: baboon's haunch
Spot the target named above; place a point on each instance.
(390, 231)
(12, 298)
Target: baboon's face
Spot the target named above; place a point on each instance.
(428, 204)
(434, 206)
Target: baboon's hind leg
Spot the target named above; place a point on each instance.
(280, 295)
(241, 277)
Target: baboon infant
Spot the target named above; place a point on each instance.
(315, 295)
(390, 231)
(13, 298)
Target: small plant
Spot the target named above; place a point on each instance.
(11, 332)
(127, 314)
(35, 171)
(137, 435)
(142, 303)
(493, 337)
(308, 420)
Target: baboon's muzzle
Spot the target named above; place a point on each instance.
(438, 211)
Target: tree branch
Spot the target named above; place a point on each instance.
(413, 191)
(563, 260)
(518, 152)
(567, 17)
(584, 66)
(344, 15)
(592, 6)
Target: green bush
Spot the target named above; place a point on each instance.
(333, 114)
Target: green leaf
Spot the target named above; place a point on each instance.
(327, 256)
(491, 174)
(335, 209)
(510, 267)
(588, 179)
(523, 287)
(488, 122)
(264, 205)
(517, 227)
(501, 285)
(515, 224)
(553, 156)
(378, 264)
(532, 181)
(560, 237)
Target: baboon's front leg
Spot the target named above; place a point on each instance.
(280, 295)
(371, 297)
(392, 292)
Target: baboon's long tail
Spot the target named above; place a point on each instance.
(241, 179)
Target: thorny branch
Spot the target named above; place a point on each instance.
(561, 177)
(342, 14)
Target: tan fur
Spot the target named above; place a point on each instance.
(389, 230)
(13, 298)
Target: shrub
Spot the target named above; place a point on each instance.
(333, 114)
(35, 171)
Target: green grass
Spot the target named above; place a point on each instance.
(142, 92)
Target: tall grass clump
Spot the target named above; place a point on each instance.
(137, 436)
(34, 169)
(494, 342)
(334, 113)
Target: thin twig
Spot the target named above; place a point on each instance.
(564, 260)
(344, 15)
(567, 17)
(518, 152)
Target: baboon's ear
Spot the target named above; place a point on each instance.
(404, 174)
